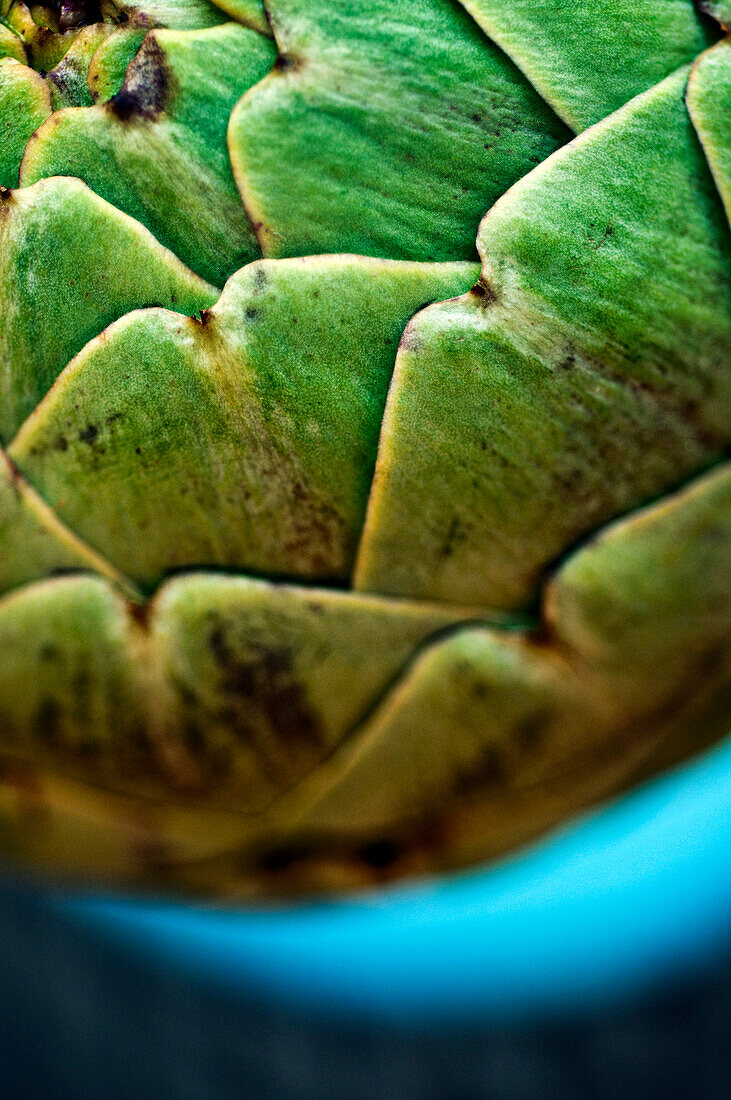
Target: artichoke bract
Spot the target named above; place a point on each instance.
(364, 404)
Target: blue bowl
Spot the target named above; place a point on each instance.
(635, 893)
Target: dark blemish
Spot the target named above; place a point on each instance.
(62, 443)
(379, 853)
(457, 533)
(6, 196)
(263, 684)
(608, 232)
(88, 434)
(477, 118)
(76, 13)
(487, 772)
(147, 88)
(252, 314)
(202, 318)
(708, 9)
(569, 362)
(140, 613)
(483, 292)
(529, 732)
(281, 859)
(113, 418)
(260, 278)
(48, 652)
(138, 450)
(193, 738)
(47, 723)
(87, 750)
(284, 63)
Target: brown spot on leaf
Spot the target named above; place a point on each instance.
(140, 613)
(203, 318)
(148, 87)
(47, 723)
(488, 772)
(265, 705)
(275, 860)
(379, 853)
(88, 434)
(483, 292)
(285, 63)
(530, 731)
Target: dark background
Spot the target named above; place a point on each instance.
(82, 1019)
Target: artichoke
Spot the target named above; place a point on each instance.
(365, 396)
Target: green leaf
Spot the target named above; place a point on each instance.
(709, 103)
(69, 691)
(386, 129)
(178, 15)
(270, 678)
(34, 542)
(11, 45)
(589, 60)
(249, 12)
(157, 150)
(109, 64)
(25, 103)
(635, 646)
(587, 375)
(68, 80)
(647, 603)
(85, 280)
(245, 439)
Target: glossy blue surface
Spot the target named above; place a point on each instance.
(634, 893)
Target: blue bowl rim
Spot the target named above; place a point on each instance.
(629, 895)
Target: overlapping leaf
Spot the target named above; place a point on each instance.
(589, 374)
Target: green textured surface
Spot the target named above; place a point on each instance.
(388, 560)
(178, 15)
(389, 130)
(69, 79)
(587, 59)
(109, 64)
(649, 600)
(586, 378)
(11, 45)
(122, 268)
(167, 124)
(636, 621)
(65, 675)
(25, 103)
(34, 542)
(709, 103)
(271, 678)
(249, 12)
(247, 440)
